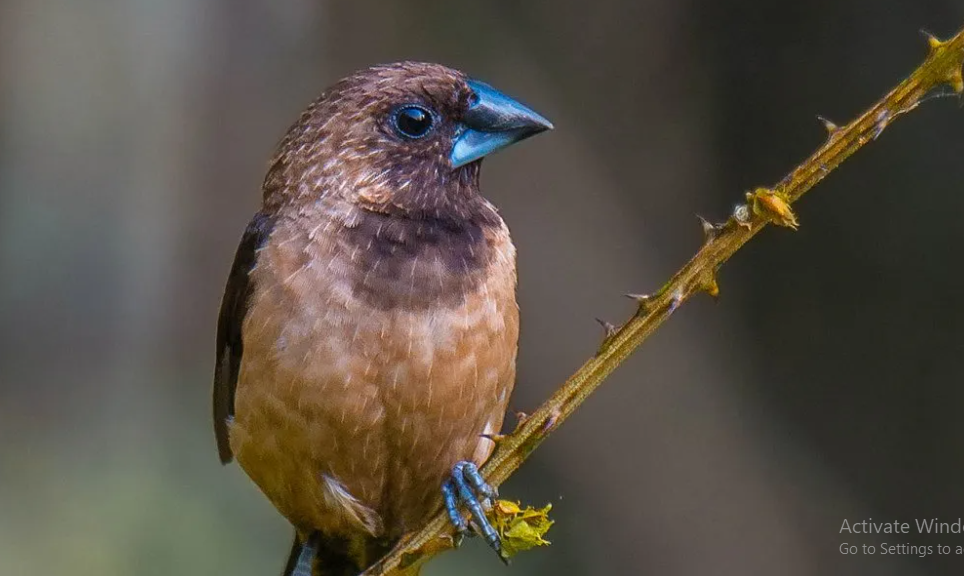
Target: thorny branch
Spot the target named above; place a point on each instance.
(764, 205)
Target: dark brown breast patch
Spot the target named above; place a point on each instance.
(416, 263)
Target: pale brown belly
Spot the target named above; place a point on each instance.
(349, 418)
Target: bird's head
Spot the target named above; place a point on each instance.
(403, 138)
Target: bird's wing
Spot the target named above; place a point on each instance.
(234, 307)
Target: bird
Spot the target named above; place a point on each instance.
(368, 333)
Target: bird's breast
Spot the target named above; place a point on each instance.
(374, 357)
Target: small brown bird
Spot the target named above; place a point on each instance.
(367, 337)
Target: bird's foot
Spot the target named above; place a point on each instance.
(304, 564)
(467, 487)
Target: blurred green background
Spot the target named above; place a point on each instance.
(826, 384)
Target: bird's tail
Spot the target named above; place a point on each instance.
(319, 555)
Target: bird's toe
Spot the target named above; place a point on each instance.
(306, 557)
(467, 487)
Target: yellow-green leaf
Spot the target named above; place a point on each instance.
(520, 529)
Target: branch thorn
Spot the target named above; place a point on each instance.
(609, 328)
(521, 418)
(709, 285)
(832, 128)
(644, 300)
(610, 332)
(710, 230)
(932, 40)
(955, 78)
(494, 437)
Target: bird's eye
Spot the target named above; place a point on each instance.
(413, 121)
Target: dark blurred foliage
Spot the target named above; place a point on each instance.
(826, 383)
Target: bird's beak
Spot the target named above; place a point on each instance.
(492, 122)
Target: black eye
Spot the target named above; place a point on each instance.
(413, 121)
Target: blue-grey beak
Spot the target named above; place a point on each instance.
(492, 122)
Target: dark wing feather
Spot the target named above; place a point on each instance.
(234, 307)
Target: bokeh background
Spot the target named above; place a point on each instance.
(825, 384)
